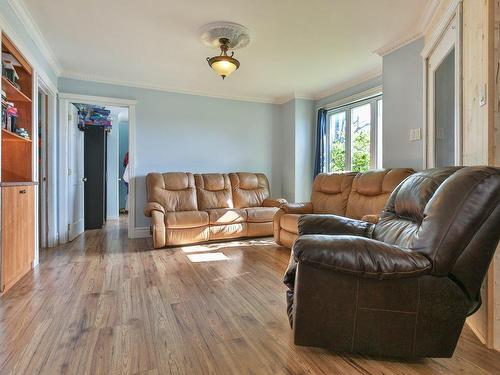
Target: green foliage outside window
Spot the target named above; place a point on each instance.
(360, 153)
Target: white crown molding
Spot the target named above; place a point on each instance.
(418, 32)
(148, 86)
(428, 15)
(350, 83)
(446, 17)
(394, 45)
(33, 30)
(285, 99)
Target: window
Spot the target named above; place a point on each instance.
(353, 136)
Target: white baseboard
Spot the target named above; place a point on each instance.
(141, 232)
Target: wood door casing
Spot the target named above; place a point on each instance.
(18, 237)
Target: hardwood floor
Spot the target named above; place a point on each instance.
(107, 305)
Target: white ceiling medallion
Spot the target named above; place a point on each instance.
(239, 36)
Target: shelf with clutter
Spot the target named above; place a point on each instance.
(17, 112)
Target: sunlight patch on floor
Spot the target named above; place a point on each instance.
(207, 257)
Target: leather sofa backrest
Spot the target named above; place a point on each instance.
(330, 192)
(213, 190)
(452, 216)
(175, 191)
(370, 191)
(249, 189)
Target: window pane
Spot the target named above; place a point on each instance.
(444, 81)
(337, 142)
(360, 138)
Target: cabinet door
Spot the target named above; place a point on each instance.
(18, 237)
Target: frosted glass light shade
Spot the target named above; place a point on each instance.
(224, 65)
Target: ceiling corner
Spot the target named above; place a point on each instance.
(34, 32)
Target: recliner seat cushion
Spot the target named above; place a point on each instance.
(186, 219)
(260, 214)
(213, 190)
(370, 191)
(249, 189)
(174, 191)
(330, 192)
(227, 216)
(289, 222)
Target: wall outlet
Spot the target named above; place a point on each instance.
(415, 135)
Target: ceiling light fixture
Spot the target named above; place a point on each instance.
(224, 36)
(223, 64)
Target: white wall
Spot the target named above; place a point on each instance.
(403, 108)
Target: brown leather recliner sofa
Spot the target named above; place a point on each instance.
(351, 194)
(402, 287)
(186, 208)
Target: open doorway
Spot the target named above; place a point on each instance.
(96, 166)
(71, 152)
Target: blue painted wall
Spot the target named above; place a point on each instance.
(403, 106)
(179, 132)
(123, 149)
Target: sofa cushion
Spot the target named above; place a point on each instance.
(213, 191)
(174, 191)
(186, 219)
(249, 189)
(223, 216)
(370, 191)
(330, 192)
(289, 222)
(260, 214)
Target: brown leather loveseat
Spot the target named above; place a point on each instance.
(186, 208)
(402, 287)
(350, 194)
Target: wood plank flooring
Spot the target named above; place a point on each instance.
(104, 304)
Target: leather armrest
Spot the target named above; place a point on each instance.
(153, 206)
(333, 224)
(360, 256)
(298, 208)
(371, 218)
(269, 202)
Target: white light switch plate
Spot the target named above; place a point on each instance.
(415, 134)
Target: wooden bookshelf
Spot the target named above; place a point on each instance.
(13, 93)
(17, 214)
(17, 152)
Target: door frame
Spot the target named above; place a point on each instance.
(65, 99)
(51, 154)
(453, 13)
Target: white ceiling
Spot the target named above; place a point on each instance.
(302, 48)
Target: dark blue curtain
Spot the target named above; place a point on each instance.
(319, 159)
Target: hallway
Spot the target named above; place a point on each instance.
(106, 304)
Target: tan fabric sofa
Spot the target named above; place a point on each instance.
(186, 208)
(350, 194)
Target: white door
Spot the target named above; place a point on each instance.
(444, 130)
(76, 177)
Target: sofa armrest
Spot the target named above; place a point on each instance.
(374, 219)
(269, 202)
(298, 208)
(333, 224)
(153, 206)
(363, 257)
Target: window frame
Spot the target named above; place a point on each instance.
(375, 131)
